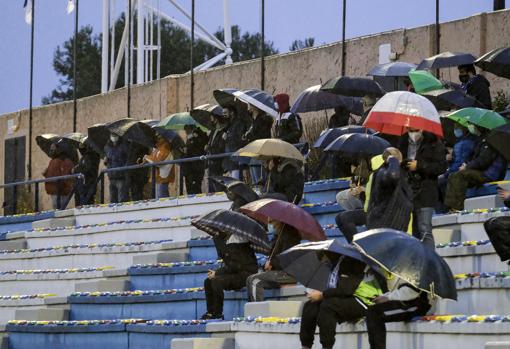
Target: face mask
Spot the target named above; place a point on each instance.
(473, 130)
(114, 138)
(190, 136)
(415, 136)
(464, 78)
(271, 229)
(276, 106)
(458, 132)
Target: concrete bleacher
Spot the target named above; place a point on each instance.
(131, 275)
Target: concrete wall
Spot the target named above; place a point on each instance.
(290, 73)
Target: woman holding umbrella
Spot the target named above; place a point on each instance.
(165, 174)
(60, 165)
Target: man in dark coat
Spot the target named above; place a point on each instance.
(487, 165)
(289, 127)
(286, 176)
(196, 140)
(88, 165)
(136, 179)
(116, 156)
(239, 262)
(216, 145)
(284, 237)
(498, 229)
(238, 123)
(425, 161)
(475, 85)
(340, 118)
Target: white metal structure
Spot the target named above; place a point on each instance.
(148, 42)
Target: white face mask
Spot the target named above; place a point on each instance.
(276, 106)
(415, 136)
(114, 138)
(189, 136)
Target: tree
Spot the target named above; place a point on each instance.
(175, 57)
(301, 44)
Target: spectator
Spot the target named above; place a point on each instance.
(425, 161)
(88, 166)
(368, 103)
(475, 85)
(403, 302)
(165, 174)
(284, 237)
(498, 229)
(289, 127)
(238, 125)
(354, 197)
(351, 288)
(60, 165)
(286, 176)
(216, 145)
(136, 179)
(196, 140)
(239, 262)
(462, 153)
(116, 156)
(341, 118)
(487, 165)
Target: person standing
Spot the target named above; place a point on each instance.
(289, 127)
(475, 85)
(284, 237)
(88, 166)
(286, 177)
(425, 161)
(341, 118)
(216, 145)
(165, 174)
(196, 140)
(60, 165)
(238, 125)
(136, 179)
(116, 156)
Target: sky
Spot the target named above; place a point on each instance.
(286, 20)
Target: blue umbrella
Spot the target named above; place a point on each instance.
(329, 135)
(314, 99)
(446, 60)
(359, 145)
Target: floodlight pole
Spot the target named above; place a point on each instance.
(75, 61)
(128, 24)
(105, 45)
(344, 52)
(192, 74)
(30, 108)
(262, 39)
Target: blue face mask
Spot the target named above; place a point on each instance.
(458, 132)
(271, 229)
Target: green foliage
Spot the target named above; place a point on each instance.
(302, 44)
(501, 101)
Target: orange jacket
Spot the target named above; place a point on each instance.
(59, 167)
(162, 152)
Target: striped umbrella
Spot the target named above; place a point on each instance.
(259, 99)
(398, 110)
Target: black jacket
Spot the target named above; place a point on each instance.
(487, 160)
(431, 158)
(339, 119)
(478, 88)
(238, 258)
(137, 151)
(216, 145)
(88, 164)
(350, 275)
(195, 146)
(289, 238)
(260, 128)
(287, 178)
(116, 156)
(289, 128)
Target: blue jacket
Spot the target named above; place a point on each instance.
(462, 153)
(488, 161)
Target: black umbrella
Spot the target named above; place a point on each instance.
(446, 60)
(173, 138)
(259, 99)
(409, 259)
(133, 130)
(225, 96)
(329, 135)
(359, 145)
(223, 181)
(499, 139)
(242, 190)
(223, 223)
(314, 99)
(151, 123)
(506, 112)
(446, 99)
(311, 262)
(46, 140)
(392, 69)
(75, 138)
(353, 87)
(496, 61)
(202, 114)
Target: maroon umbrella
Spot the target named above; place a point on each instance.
(288, 213)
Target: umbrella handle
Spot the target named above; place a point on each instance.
(277, 241)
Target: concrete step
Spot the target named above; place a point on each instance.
(103, 286)
(282, 309)
(8, 307)
(15, 244)
(160, 257)
(488, 201)
(42, 314)
(53, 223)
(472, 259)
(202, 343)
(445, 235)
(497, 345)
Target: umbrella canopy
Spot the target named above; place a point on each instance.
(496, 61)
(76, 138)
(242, 190)
(178, 121)
(259, 99)
(264, 209)
(392, 69)
(223, 223)
(423, 81)
(223, 181)
(270, 148)
(133, 130)
(225, 96)
(172, 137)
(446, 60)
(409, 259)
(446, 99)
(478, 116)
(359, 145)
(314, 99)
(498, 138)
(329, 135)
(99, 135)
(353, 87)
(307, 262)
(151, 122)
(202, 114)
(398, 110)
(46, 140)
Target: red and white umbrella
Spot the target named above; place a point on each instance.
(396, 111)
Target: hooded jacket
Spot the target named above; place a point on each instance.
(462, 153)
(238, 258)
(478, 88)
(288, 179)
(260, 128)
(195, 146)
(289, 127)
(487, 160)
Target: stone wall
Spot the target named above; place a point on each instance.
(290, 73)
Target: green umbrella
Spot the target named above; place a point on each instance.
(423, 81)
(178, 121)
(477, 116)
